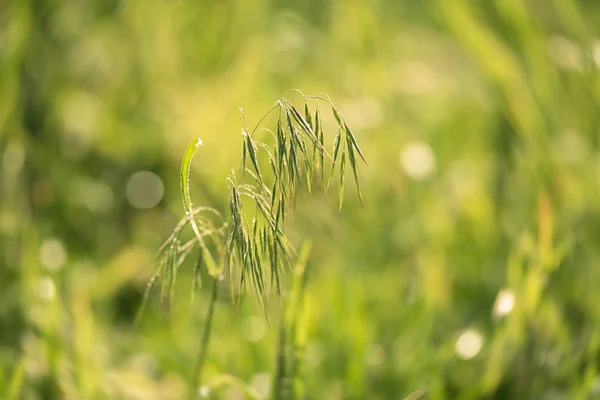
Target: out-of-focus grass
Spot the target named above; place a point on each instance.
(469, 273)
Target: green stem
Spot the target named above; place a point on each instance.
(280, 367)
(196, 379)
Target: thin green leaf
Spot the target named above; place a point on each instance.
(281, 145)
(252, 153)
(211, 265)
(173, 277)
(302, 122)
(350, 136)
(320, 135)
(309, 173)
(306, 127)
(353, 165)
(342, 173)
(185, 173)
(293, 164)
(244, 151)
(196, 276)
(308, 116)
(337, 117)
(336, 148)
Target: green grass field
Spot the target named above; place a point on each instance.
(471, 271)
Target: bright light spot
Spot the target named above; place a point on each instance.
(204, 391)
(505, 301)
(565, 53)
(469, 344)
(261, 383)
(45, 289)
(144, 190)
(254, 328)
(418, 160)
(375, 355)
(52, 254)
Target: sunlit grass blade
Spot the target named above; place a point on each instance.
(252, 153)
(301, 121)
(281, 144)
(306, 128)
(342, 174)
(321, 137)
(353, 165)
(173, 272)
(146, 296)
(293, 164)
(244, 151)
(275, 265)
(196, 277)
(336, 148)
(350, 136)
(294, 133)
(308, 116)
(337, 116)
(261, 279)
(186, 163)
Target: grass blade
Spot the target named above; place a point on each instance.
(186, 164)
(350, 136)
(252, 153)
(352, 160)
(342, 173)
(308, 116)
(196, 277)
(244, 151)
(336, 148)
(321, 137)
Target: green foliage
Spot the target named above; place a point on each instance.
(252, 243)
(469, 272)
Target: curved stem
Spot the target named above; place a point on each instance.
(196, 379)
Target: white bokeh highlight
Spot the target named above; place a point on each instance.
(53, 254)
(469, 344)
(417, 160)
(144, 190)
(505, 302)
(46, 290)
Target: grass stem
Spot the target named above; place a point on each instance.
(197, 377)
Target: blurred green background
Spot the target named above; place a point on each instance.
(472, 271)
